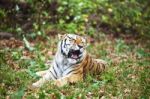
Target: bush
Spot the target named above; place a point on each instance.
(79, 16)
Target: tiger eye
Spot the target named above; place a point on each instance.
(70, 40)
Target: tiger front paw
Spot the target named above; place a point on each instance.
(36, 85)
(59, 83)
(39, 83)
(41, 73)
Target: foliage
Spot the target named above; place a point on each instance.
(76, 16)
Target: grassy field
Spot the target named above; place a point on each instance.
(127, 75)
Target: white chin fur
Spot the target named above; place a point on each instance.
(72, 61)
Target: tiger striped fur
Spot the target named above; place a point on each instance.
(71, 62)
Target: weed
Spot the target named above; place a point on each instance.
(127, 75)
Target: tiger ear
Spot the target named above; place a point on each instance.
(87, 41)
(87, 44)
(61, 36)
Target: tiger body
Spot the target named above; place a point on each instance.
(71, 62)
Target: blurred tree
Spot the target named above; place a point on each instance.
(81, 16)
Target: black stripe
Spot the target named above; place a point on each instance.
(55, 71)
(86, 62)
(98, 67)
(70, 37)
(65, 43)
(90, 62)
(52, 74)
(62, 49)
(58, 67)
(57, 64)
(78, 72)
(72, 71)
(90, 67)
(103, 66)
(68, 68)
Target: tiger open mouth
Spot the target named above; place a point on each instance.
(74, 54)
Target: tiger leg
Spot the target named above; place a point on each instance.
(41, 73)
(68, 79)
(42, 80)
(101, 61)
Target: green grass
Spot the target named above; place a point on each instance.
(127, 75)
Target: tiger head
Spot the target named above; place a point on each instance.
(72, 47)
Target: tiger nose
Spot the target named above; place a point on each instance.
(75, 47)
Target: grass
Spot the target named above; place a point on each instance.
(126, 77)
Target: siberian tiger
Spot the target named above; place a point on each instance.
(71, 62)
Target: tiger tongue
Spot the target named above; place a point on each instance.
(74, 56)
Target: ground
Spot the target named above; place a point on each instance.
(127, 75)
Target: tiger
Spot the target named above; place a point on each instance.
(71, 62)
